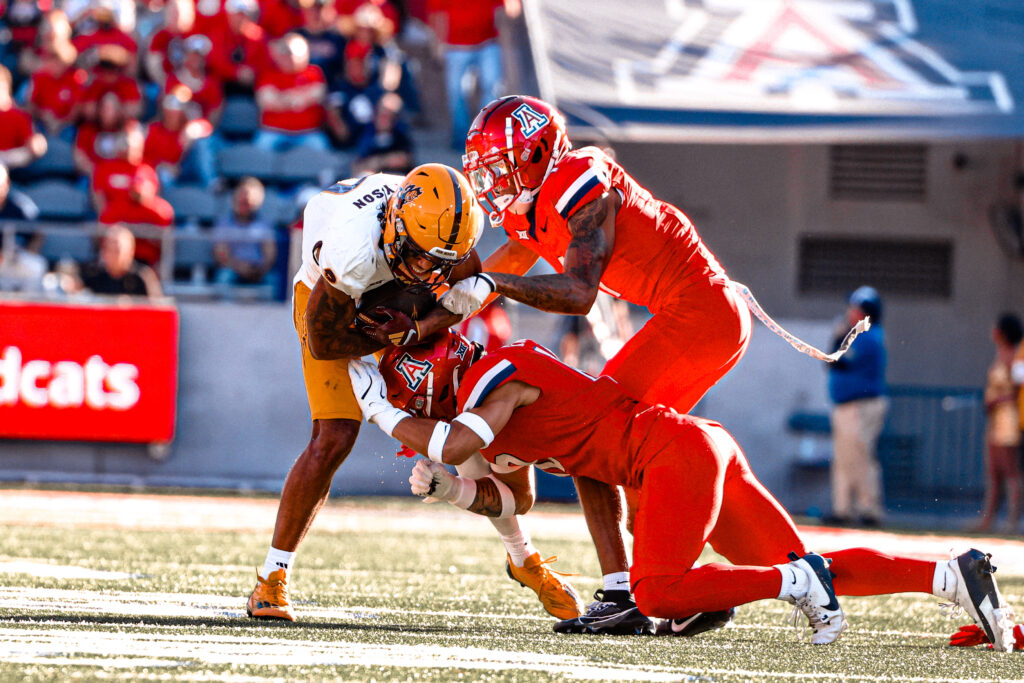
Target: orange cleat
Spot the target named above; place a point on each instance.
(559, 598)
(269, 600)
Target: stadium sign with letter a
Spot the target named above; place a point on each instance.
(90, 373)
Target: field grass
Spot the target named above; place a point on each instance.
(101, 587)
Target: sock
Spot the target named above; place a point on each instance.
(864, 571)
(616, 586)
(276, 559)
(944, 581)
(518, 545)
(794, 582)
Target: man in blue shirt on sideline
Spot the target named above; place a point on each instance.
(856, 385)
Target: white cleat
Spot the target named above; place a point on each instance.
(819, 603)
(976, 592)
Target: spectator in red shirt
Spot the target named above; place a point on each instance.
(54, 36)
(111, 75)
(349, 24)
(20, 144)
(109, 136)
(55, 90)
(19, 28)
(207, 90)
(290, 97)
(99, 29)
(278, 17)
(175, 143)
(211, 17)
(468, 38)
(167, 46)
(239, 54)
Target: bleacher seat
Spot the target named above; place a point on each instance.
(240, 119)
(193, 255)
(302, 165)
(192, 204)
(238, 161)
(60, 200)
(278, 208)
(56, 163)
(75, 244)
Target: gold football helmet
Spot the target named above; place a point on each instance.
(431, 224)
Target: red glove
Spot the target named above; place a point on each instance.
(389, 326)
(972, 634)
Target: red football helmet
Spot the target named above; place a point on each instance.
(424, 379)
(511, 147)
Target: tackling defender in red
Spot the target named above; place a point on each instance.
(520, 406)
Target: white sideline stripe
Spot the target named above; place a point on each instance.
(60, 571)
(30, 646)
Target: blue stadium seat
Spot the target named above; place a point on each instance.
(56, 163)
(73, 243)
(60, 200)
(238, 161)
(192, 204)
(240, 119)
(301, 165)
(278, 208)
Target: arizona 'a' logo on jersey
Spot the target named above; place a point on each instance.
(530, 120)
(413, 371)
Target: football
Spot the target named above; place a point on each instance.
(414, 301)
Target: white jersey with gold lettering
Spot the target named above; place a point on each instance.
(342, 222)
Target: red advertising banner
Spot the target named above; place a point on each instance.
(89, 373)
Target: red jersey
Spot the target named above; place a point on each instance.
(57, 94)
(170, 45)
(469, 23)
(117, 178)
(657, 251)
(278, 17)
(102, 36)
(579, 426)
(126, 87)
(15, 128)
(207, 92)
(231, 51)
(302, 84)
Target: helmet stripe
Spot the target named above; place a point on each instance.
(453, 236)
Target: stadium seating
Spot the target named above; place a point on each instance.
(306, 166)
(240, 119)
(240, 160)
(193, 204)
(60, 200)
(56, 163)
(71, 244)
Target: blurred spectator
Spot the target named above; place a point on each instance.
(19, 29)
(98, 29)
(14, 204)
(490, 327)
(246, 246)
(240, 53)
(388, 27)
(1002, 429)
(290, 96)
(20, 144)
(278, 17)
(177, 144)
(468, 39)
(167, 46)
(111, 75)
(56, 85)
(21, 270)
(386, 144)
(856, 384)
(115, 270)
(326, 46)
(211, 17)
(108, 136)
(368, 73)
(54, 36)
(192, 72)
(84, 16)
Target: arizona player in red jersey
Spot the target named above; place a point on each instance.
(520, 406)
(599, 228)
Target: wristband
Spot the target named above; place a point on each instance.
(388, 419)
(477, 425)
(435, 448)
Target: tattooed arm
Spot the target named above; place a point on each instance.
(574, 290)
(329, 334)
(488, 498)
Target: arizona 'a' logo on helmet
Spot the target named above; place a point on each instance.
(512, 145)
(424, 379)
(434, 216)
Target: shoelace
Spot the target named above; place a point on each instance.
(950, 610)
(553, 558)
(804, 607)
(278, 591)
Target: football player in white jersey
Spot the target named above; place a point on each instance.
(365, 240)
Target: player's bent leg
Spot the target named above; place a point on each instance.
(305, 489)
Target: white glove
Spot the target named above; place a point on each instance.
(432, 479)
(467, 296)
(372, 395)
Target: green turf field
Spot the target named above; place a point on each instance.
(392, 590)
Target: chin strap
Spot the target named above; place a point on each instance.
(803, 347)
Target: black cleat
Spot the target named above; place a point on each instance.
(621, 618)
(978, 595)
(696, 624)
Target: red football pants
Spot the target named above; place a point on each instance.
(702, 491)
(685, 348)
